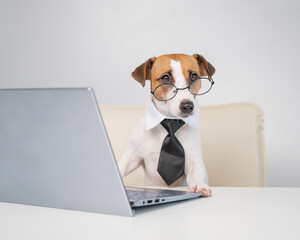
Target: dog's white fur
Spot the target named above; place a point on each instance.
(145, 145)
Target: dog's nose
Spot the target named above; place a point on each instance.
(186, 107)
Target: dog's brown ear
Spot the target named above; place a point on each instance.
(201, 61)
(142, 72)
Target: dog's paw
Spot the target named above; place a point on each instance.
(200, 188)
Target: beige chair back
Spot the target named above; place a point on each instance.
(232, 142)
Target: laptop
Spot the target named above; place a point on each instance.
(55, 152)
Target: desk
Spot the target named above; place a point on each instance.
(231, 213)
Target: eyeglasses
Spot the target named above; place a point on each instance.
(197, 87)
(167, 91)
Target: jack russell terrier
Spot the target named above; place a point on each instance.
(171, 157)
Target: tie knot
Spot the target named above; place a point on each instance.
(172, 125)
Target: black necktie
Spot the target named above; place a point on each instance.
(171, 159)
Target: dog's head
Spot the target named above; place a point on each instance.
(178, 69)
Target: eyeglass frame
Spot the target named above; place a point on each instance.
(209, 78)
(187, 87)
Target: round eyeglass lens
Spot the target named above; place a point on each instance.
(200, 86)
(165, 92)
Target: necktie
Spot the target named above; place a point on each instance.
(172, 157)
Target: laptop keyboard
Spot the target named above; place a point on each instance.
(135, 195)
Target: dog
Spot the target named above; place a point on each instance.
(146, 140)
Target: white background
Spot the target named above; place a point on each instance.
(254, 46)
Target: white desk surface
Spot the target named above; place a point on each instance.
(231, 213)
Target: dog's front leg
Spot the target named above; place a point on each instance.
(195, 176)
(129, 162)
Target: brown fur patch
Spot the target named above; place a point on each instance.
(162, 65)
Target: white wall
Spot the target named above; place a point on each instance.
(254, 46)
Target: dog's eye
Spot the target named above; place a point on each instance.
(193, 76)
(166, 78)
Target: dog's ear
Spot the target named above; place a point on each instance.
(142, 72)
(201, 61)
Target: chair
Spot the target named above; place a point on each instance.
(232, 142)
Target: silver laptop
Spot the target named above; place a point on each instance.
(54, 152)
